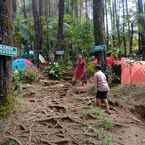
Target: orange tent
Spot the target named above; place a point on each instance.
(133, 73)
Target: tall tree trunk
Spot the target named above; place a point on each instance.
(60, 34)
(86, 10)
(111, 12)
(37, 25)
(117, 22)
(129, 31)
(80, 12)
(14, 6)
(41, 2)
(5, 38)
(106, 17)
(99, 28)
(143, 37)
(49, 7)
(24, 9)
(124, 34)
(46, 8)
(98, 19)
(131, 38)
(141, 21)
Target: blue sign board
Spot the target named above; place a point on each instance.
(8, 50)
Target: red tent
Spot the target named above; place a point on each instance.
(133, 73)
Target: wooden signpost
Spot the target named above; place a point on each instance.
(8, 50)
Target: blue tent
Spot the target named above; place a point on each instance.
(21, 64)
(98, 49)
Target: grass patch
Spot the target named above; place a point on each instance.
(7, 106)
(10, 142)
(98, 128)
(9, 103)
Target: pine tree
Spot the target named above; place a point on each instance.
(5, 38)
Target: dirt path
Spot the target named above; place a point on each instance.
(51, 115)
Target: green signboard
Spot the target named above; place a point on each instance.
(8, 50)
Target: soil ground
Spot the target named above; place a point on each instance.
(50, 114)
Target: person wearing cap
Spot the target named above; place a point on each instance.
(102, 88)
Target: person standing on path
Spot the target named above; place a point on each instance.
(102, 88)
(80, 72)
(109, 60)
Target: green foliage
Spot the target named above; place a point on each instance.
(98, 114)
(90, 70)
(10, 142)
(24, 30)
(54, 71)
(30, 75)
(81, 36)
(7, 106)
(99, 128)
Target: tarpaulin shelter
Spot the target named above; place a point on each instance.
(100, 51)
(133, 73)
(22, 64)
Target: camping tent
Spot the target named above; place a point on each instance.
(133, 73)
(22, 65)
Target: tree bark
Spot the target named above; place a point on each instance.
(86, 10)
(124, 34)
(14, 6)
(60, 34)
(24, 9)
(5, 38)
(141, 21)
(107, 28)
(46, 9)
(129, 28)
(99, 28)
(98, 19)
(117, 22)
(37, 25)
(131, 38)
(41, 2)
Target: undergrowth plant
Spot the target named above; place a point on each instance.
(30, 75)
(55, 71)
(27, 76)
(90, 70)
(99, 127)
(10, 142)
(7, 106)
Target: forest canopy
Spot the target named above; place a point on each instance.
(72, 23)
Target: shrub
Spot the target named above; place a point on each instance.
(27, 76)
(90, 70)
(54, 71)
(100, 127)
(7, 106)
(10, 142)
(30, 75)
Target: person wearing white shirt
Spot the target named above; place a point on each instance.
(102, 88)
